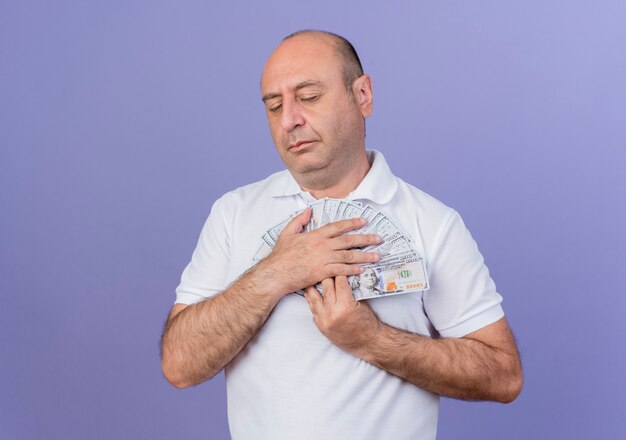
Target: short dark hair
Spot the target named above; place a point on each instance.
(351, 64)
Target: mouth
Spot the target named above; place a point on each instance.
(298, 146)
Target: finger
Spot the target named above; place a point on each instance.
(328, 287)
(348, 241)
(313, 298)
(334, 269)
(338, 228)
(298, 222)
(355, 257)
(343, 291)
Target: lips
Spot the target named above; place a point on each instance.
(297, 146)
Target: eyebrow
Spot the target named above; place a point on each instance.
(298, 86)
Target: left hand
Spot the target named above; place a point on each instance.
(348, 324)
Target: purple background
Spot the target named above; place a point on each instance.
(122, 121)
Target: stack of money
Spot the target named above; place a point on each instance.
(400, 268)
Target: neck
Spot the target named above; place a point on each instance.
(338, 183)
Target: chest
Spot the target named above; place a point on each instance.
(248, 226)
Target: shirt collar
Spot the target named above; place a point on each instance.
(379, 184)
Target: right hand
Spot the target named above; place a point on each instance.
(300, 260)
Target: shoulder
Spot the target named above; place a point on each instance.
(252, 192)
(425, 205)
(421, 215)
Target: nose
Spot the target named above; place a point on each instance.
(291, 115)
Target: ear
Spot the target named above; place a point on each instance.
(362, 91)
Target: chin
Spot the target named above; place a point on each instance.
(306, 162)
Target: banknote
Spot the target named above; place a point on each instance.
(318, 217)
(341, 206)
(389, 280)
(393, 244)
(401, 268)
(350, 210)
(330, 209)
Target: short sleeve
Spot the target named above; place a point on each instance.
(205, 274)
(462, 296)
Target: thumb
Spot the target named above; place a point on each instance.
(298, 222)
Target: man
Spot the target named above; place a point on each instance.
(366, 370)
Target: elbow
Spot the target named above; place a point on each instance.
(178, 383)
(512, 388)
(174, 377)
(180, 378)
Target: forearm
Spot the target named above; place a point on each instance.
(204, 337)
(460, 368)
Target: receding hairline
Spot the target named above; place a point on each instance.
(350, 62)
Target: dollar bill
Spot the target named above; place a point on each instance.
(377, 281)
(400, 269)
(330, 209)
(318, 217)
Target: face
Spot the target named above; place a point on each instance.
(315, 123)
(369, 279)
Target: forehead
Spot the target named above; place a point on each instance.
(299, 59)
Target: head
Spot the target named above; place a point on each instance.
(351, 67)
(316, 99)
(368, 279)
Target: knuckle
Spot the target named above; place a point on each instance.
(336, 226)
(316, 245)
(348, 256)
(345, 225)
(349, 240)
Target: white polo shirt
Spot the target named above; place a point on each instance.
(290, 382)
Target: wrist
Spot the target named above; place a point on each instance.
(370, 342)
(265, 281)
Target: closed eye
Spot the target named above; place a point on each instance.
(309, 98)
(275, 108)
